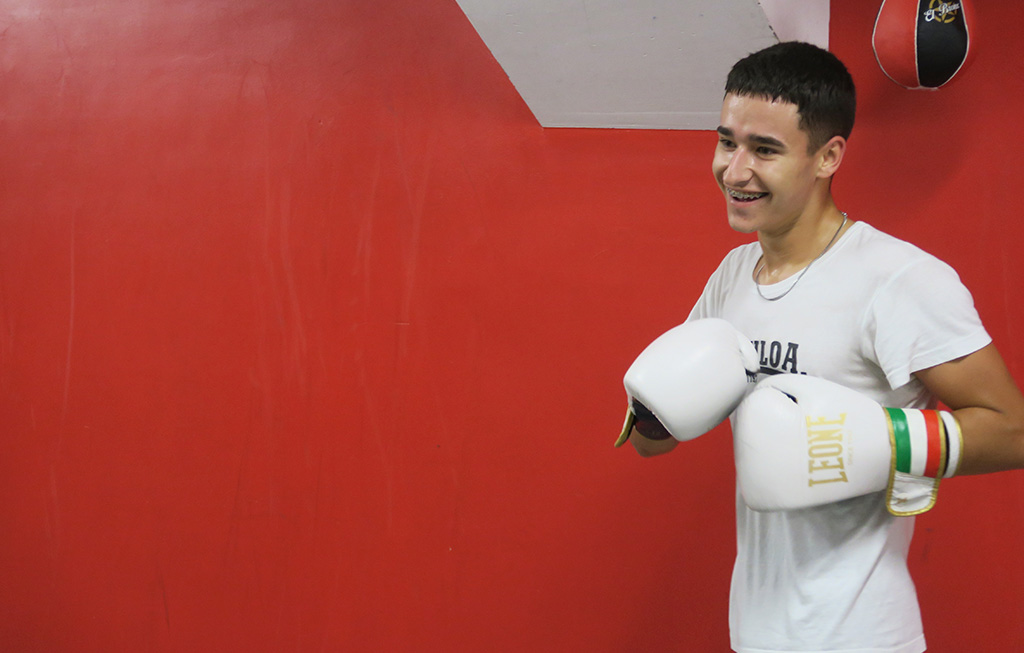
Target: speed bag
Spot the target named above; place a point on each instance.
(922, 43)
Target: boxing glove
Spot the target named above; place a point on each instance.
(688, 381)
(801, 441)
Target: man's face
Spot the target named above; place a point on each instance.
(762, 164)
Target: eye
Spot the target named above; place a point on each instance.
(764, 150)
(726, 143)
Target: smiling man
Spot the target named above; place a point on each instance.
(820, 294)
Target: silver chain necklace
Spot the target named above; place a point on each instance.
(757, 273)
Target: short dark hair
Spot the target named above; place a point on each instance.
(813, 79)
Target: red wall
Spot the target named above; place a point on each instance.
(311, 339)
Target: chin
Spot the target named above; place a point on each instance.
(742, 224)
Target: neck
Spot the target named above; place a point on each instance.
(788, 251)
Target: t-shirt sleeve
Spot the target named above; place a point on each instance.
(921, 317)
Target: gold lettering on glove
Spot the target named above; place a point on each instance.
(825, 451)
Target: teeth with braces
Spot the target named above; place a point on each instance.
(745, 196)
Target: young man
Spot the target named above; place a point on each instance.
(824, 295)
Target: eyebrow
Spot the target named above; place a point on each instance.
(755, 138)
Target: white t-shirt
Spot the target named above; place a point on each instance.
(868, 314)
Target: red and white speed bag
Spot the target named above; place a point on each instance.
(922, 43)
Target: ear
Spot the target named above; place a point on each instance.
(830, 156)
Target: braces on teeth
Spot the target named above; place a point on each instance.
(745, 196)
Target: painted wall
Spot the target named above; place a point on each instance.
(311, 339)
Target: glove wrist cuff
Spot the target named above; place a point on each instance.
(925, 442)
(927, 445)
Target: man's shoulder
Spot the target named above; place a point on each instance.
(872, 237)
(876, 249)
(737, 262)
(742, 254)
(888, 264)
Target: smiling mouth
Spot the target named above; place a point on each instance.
(744, 197)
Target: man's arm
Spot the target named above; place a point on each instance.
(989, 406)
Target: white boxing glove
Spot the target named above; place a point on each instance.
(689, 380)
(802, 441)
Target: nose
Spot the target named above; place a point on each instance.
(738, 169)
